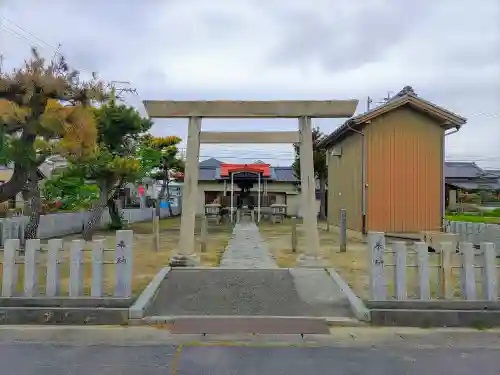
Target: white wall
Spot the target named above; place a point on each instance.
(61, 224)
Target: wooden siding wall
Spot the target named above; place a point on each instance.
(345, 183)
(404, 172)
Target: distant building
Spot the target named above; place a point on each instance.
(278, 185)
(468, 176)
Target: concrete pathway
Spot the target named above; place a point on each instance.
(247, 249)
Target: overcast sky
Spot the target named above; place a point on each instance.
(447, 50)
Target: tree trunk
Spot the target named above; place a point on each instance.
(96, 211)
(163, 189)
(114, 211)
(33, 205)
(170, 212)
(322, 197)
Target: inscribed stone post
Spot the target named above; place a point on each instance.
(123, 263)
(376, 247)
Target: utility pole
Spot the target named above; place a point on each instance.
(116, 92)
(1, 62)
(369, 101)
(388, 97)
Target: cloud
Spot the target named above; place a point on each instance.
(448, 50)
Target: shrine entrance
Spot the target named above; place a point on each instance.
(304, 111)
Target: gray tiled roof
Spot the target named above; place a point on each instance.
(469, 176)
(284, 174)
(211, 163)
(493, 171)
(459, 169)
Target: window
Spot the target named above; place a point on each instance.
(211, 196)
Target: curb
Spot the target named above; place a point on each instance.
(137, 310)
(358, 307)
(330, 321)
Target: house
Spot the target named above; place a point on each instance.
(468, 176)
(385, 166)
(53, 165)
(278, 185)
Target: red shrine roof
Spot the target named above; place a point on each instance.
(226, 169)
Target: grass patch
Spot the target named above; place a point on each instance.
(147, 261)
(474, 218)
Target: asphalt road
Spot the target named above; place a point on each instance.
(56, 359)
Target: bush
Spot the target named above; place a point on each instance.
(494, 213)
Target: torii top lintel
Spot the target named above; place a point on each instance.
(251, 109)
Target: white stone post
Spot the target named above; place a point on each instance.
(446, 276)
(96, 289)
(423, 271)
(376, 247)
(53, 275)
(400, 271)
(469, 278)
(123, 263)
(30, 267)
(490, 281)
(190, 192)
(10, 268)
(308, 187)
(76, 268)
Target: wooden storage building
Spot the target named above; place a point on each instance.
(386, 166)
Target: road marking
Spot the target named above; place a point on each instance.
(176, 359)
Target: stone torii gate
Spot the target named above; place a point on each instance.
(196, 110)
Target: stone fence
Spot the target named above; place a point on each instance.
(56, 265)
(474, 232)
(61, 224)
(402, 272)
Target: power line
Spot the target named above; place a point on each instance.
(19, 35)
(27, 32)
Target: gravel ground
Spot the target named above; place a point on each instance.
(228, 292)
